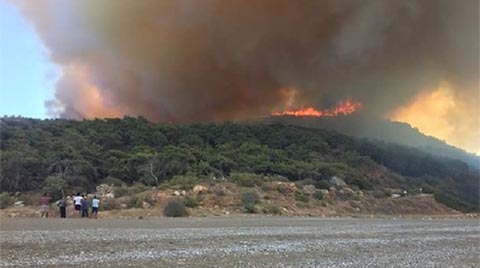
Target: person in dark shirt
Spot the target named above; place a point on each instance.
(84, 207)
(62, 205)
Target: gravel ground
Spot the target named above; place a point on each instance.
(239, 242)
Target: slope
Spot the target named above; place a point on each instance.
(78, 155)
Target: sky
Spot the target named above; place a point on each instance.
(27, 77)
(414, 61)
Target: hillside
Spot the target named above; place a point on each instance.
(79, 155)
(384, 130)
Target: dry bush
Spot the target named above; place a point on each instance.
(250, 198)
(175, 208)
(271, 209)
(302, 197)
(190, 202)
(110, 204)
(5, 200)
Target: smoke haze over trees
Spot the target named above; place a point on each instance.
(377, 129)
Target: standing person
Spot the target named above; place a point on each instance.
(45, 200)
(84, 204)
(62, 205)
(95, 205)
(77, 202)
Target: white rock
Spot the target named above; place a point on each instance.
(309, 189)
(323, 191)
(335, 181)
(199, 188)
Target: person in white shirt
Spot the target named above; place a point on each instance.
(77, 202)
(95, 206)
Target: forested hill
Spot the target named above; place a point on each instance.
(363, 126)
(84, 153)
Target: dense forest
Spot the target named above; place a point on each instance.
(82, 154)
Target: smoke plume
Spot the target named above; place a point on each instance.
(188, 60)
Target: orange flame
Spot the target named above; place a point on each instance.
(342, 108)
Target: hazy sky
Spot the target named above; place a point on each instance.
(27, 78)
(414, 61)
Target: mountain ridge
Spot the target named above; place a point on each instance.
(382, 129)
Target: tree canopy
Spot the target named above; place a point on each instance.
(81, 154)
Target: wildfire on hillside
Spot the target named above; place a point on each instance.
(346, 107)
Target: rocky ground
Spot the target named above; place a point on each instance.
(227, 198)
(240, 241)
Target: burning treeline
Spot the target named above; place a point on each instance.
(221, 60)
(341, 108)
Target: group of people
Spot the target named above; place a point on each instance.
(80, 203)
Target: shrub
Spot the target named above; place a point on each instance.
(361, 184)
(455, 203)
(302, 205)
(219, 192)
(247, 179)
(283, 189)
(250, 198)
(5, 200)
(318, 195)
(246, 182)
(322, 185)
(30, 199)
(267, 188)
(190, 202)
(271, 209)
(124, 190)
(380, 194)
(175, 208)
(427, 189)
(307, 181)
(134, 201)
(302, 197)
(110, 204)
(185, 182)
(250, 208)
(112, 181)
(138, 188)
(120, 190)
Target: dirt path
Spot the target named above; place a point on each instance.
(239, 242)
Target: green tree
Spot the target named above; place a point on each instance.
(54, 185)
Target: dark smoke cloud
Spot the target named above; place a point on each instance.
(190, 60)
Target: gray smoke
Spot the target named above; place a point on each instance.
(188, 60)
